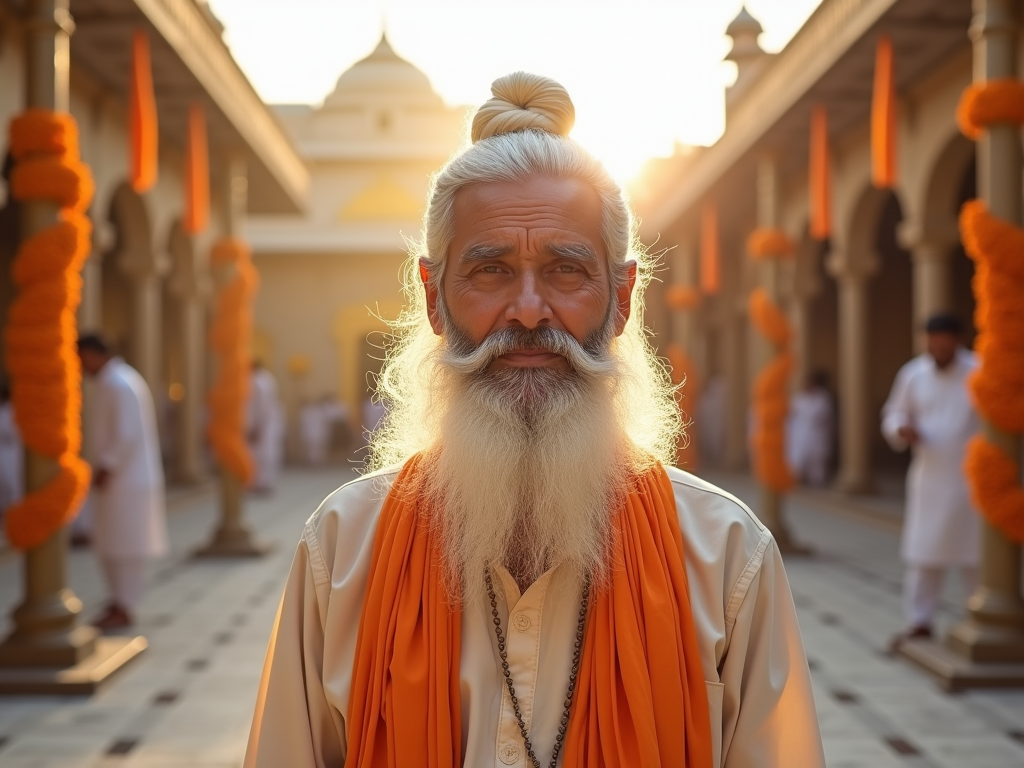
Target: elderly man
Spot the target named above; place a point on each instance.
(524, 581)
(929, 411)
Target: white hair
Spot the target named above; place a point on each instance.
(645, 403)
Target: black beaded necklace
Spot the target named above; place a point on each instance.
(577, 647)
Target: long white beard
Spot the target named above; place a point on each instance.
(529, 466)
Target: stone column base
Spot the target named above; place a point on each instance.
(954, 672)
(108, 656)
(238, 542)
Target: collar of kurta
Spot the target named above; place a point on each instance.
(640, 696)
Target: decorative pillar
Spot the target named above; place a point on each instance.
(233, 538)
(682, 298)
(987, 648)
(931, 253)
(801, 286)
(853, 272)
(769, 246)
(190, 286)
(47, 652)
(145, 346)
(733, 326)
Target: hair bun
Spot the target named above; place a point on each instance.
(522, 101)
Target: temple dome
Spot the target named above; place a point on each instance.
(744, 24)
(382, 73)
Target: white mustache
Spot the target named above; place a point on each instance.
(463, 358)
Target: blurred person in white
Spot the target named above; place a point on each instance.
(12, 454)
(930, 412)
(316, 423)
(811, 430)
(523, 580)
(265, 430)
(128, 525)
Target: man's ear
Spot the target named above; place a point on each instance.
(431, 290)
(623, 298)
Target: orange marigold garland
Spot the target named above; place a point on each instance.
(771, 396)
(997, 248)
(230, 337)
(682, 297)
(769, 243)
(41, 330)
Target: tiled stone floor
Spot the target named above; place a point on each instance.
(186, 703)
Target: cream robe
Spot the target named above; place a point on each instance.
(265, 428)
(755, 671)
(941, 528)
(128, 513)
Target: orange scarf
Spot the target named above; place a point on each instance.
(640, 698)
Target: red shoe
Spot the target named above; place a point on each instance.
(115, 617)
(913, 633)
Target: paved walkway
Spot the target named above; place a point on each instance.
(187, 701)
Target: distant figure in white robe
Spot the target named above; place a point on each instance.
(929, 410)
(316, 422)
(12, 455)
(810, 430)
(709, 420)
(265, 428)
(129, 525)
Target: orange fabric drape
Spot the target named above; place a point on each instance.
(883, 117)
(681, 297)
(769, 243)
(640, 696)
(684, 376)
(197, 173)
(710, 258)
(820, 181)
(41, 330)
(142, 117)
(231, 339)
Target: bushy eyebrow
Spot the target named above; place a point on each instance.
(575, 251)
(484, 252)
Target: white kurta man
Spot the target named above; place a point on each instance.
(929, 410)
(265, 428)
(525, 580)
(129, 526)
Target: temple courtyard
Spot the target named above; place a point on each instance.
(187, 701)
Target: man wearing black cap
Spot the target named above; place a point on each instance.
(929, 410)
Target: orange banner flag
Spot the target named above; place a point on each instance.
(820, 182)
(142, 122)
(709, 251)
(197, 173)
(883, 118)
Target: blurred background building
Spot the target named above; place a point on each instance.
(856, 300)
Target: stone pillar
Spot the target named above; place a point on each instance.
(853, 274)
(733, 324)
(683, 271)
(987, 648)
(801, 286)
(931, 252)
(146, 315)
(190, 286)
(47, 651)
(233, 538)
(770, 279)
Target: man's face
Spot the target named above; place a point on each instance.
(942, 347)
(92, 361)
(528, 255)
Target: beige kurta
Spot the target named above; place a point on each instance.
(755, 671)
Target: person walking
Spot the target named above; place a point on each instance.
(266, 427)
(930, 412)
(811, 429)
(128, 481)
(11, 454)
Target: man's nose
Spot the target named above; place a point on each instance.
(528, 306)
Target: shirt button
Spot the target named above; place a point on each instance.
(521, 622)
(509, 753)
